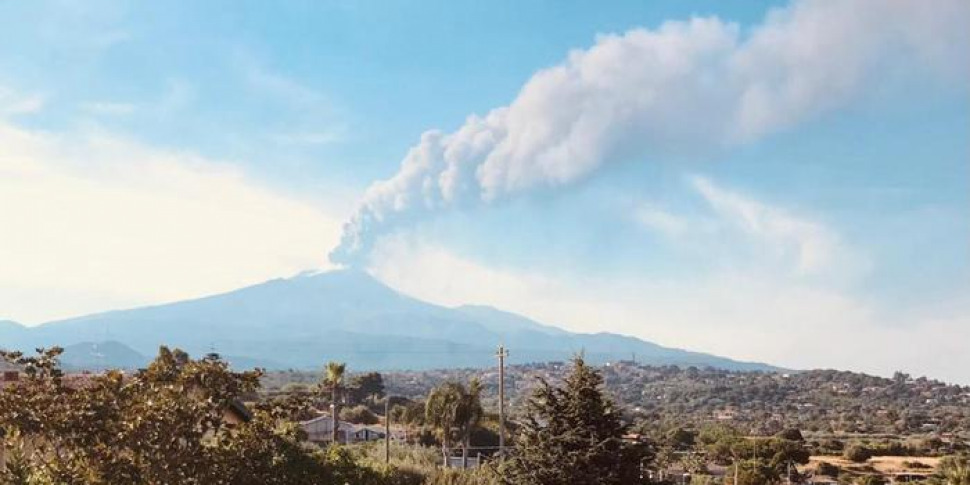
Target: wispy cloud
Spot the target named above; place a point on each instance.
(313, 118)
(656, 218)
(742, 229)
(750, 315)
(815, 247)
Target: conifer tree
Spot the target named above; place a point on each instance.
(574, 434)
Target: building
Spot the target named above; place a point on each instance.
(320, 430)
(9, 373)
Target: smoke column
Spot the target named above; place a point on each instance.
(696, 83)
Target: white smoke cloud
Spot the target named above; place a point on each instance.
(690, 85)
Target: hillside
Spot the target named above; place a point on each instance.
(817, 401)
(103, 355)
(303, 321)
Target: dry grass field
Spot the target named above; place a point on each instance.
(884, 465)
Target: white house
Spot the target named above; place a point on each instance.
(320, 430)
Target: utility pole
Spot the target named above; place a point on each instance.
(387, 429)
(501, 399)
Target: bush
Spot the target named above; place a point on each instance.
(703, 480)
(857, 453)
(828, 469)
(831, 446)
(791, 434)
(870, 480)
(359, 415)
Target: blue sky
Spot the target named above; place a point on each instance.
(741, 178)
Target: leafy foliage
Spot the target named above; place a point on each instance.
(955, 470)
(170, 423)
(359, 415)
(573, 434)
(454, 412)
(759, 403)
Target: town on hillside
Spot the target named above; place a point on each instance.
(644, 424)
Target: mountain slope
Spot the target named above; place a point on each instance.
(13, 335)
(102, 355)
(304, 321)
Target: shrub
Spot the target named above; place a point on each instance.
(857, 453)
(359, 415)
(870, 480)
(828, 469)
(791, 434)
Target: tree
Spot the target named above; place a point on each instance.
(165, 424)
(680, 438)
(663, 460)
(573, 434)
(791, 434)
(751, 472)
(410, 414)
(723, 443)
(694, 463)
(469, 417)
(783, 454)
(454, 412)
(359, 415)
(333, 381)
(369, 386)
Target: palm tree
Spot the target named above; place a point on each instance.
(454, 412)
(440, 413)
(333, 381)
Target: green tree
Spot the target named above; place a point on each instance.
(333, 381)
(680, 438)
(470, 417)
(723, 443)
(454, 411)
(410, 414)
(784, 454)
(367, 387)
(663, 460)
(694, 463)
(359, 415)
(791, 434)
(573, 434)
(751, 472)
(166, 424)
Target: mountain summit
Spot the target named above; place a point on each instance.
(345, 315)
